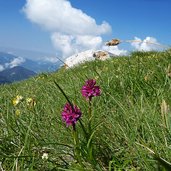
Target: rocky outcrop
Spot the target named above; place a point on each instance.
(101, 55)
(88, 55)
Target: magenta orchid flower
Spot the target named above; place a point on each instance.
(71, 114)
(89, 90)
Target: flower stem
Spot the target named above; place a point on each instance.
(77, 154)
(84, 130)
(90, 116)
(89, 143)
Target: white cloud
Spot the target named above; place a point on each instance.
(115, 50)
(148, 44)
(89, 41)
(63, 43)
(59, 15)
(15, 62)
(69, 44)
(1, 68)
(71, 29)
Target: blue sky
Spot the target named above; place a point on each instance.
(130, 18)
(17, 31)
(124, 19)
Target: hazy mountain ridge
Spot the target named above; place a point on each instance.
(17, 73)
(16, 68)
(8, 60)
(4, 80)
(11, 65)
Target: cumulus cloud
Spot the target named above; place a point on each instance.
(115, 50)
(69, 44)
(71, 29)
(14, 62)
(89, 41)
(63, 43)
(1, 68)
(59, 15)
(148, 44)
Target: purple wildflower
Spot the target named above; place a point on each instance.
(89, 90)
(71, 114)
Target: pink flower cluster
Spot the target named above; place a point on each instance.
(89, 90)
(71, 114)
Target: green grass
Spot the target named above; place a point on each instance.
(133, 111)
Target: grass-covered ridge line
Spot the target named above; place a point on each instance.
(133, 111)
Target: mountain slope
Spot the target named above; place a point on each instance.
(17, 73)
(4, 80)
(40, 66)
(130, 121)
(8, 60)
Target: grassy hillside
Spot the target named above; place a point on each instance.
(130, 123)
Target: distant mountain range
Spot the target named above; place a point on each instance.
(8, 60)
(29, 54)
(16, 73)
(15, 68)
(4, 80)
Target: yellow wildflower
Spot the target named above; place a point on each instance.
(30, 102)
(146, 78)
(17, 112)
(17, 100)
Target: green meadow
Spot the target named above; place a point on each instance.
(130, 123)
